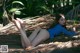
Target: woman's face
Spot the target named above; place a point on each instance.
(62, 20)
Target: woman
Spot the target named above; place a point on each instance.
(39, 35)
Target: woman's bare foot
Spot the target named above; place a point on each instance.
(17, 24)
(21, 22)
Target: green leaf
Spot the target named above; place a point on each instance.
(17, 12)
(19, 2)
(45, 8)
(15, 9)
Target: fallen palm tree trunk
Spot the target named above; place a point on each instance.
(49, 47)
(30, 24)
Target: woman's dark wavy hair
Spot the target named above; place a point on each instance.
(57, 17)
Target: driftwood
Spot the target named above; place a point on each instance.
(49, 47)
(30, 24)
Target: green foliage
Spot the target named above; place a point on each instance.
(15, 7)
(17, 2)
(23, 8)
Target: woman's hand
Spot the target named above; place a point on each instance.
(74, 29)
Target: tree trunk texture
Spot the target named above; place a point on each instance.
(30, 24)
(66, 47)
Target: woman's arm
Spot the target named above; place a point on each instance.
(70, 33)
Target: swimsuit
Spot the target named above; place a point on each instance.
(60, 29)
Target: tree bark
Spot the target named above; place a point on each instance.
(30, 24)
(50, 47)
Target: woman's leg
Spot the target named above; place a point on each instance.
(23, 43)
(42, 36)
(34, 34)
(24, 38)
